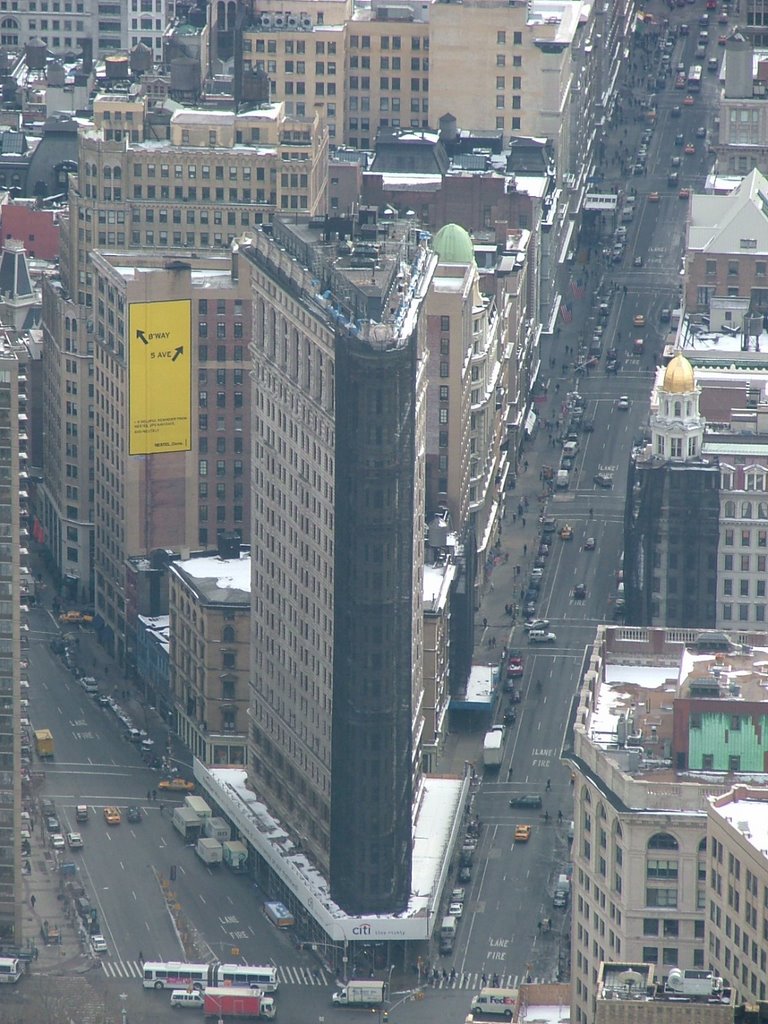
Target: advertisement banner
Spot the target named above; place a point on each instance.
(160, 376)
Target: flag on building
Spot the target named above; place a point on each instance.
(566, 313)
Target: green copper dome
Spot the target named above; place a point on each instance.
(453, 245)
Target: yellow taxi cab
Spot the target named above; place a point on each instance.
(181, 785)
(522, 833)
(566, 532)
(112, 815)
(639, 319)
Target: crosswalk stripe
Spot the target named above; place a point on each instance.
(473, 980)
(287, 975)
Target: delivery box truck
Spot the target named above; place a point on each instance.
(360, 993)
(238, 1002)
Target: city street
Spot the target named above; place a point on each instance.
(513, 883)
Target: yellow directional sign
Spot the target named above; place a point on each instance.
(160, 376)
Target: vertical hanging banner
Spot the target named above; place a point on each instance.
(160, 376)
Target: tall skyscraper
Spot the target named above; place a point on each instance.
(338, 433)
(12, 455)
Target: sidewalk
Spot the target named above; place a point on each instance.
(46, 908)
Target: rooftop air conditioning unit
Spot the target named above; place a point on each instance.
(279, 21)
(292, 21)
(266, 21)
(306, 21)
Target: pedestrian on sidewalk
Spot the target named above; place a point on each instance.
(33, 900)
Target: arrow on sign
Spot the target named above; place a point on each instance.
(141, 336)
(179, 351)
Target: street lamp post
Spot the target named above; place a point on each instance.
(383, 1014)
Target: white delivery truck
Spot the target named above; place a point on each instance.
(495, 1002)
(187, 823)
(360, 993)
(493, 747)
(209, 851)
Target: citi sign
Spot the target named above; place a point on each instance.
(361, 929)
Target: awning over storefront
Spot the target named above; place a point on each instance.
(567, 242)
(481, 690)
(530, 422)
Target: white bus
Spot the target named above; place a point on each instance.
(264, 978)
(198, 976)
(10, 970)
(694, 77)
(176, 975)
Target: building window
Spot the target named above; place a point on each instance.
(662, 841)
(664, 869)
(661, 897)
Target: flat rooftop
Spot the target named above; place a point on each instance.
(746, 810)
(640, 673)
(218, 580)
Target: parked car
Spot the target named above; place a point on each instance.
(529, 800)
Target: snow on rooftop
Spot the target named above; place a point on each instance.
(159, 626)
(438, 821)
(547, 1014)
(211, 278)
(612, 699)
(480, 685)
(229, 573)
(750, 817)
(391, 181)
(436, 583)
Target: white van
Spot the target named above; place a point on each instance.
(495, 1002)
(181, 997)
(562, 479)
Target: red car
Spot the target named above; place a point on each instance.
(514, 667)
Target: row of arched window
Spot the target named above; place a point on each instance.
(746, 509)
(110, 173)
